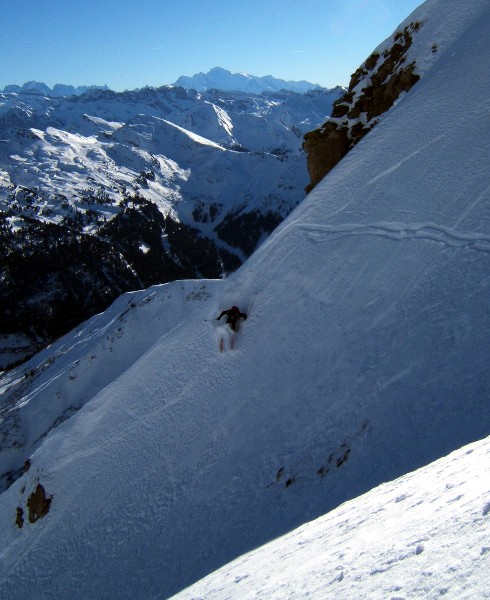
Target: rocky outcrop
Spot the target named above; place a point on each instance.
(373, 90)
(38, 504)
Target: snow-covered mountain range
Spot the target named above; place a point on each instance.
(104, 192)
(223, 79)
(59, 89)
(216, 78)
(137, 458)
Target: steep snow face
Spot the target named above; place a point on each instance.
(424, 535)
(61, 379)
(364, 356)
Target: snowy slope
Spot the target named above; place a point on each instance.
(102, 142)
(424, 535)
(364, 357)
(61, 379)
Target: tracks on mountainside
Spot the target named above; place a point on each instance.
(401, 231)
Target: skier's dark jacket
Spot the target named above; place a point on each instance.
(232, 316)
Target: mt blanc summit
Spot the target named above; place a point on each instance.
(222, 79)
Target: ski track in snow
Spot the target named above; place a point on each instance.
(472, 205)
(407, 158)
(403, 231)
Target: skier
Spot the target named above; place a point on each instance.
(232, 316)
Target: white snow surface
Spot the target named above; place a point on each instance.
(102, 142)
(363, 358)
(425, 535)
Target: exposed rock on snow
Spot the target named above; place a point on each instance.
(373, 90)
(38, 503)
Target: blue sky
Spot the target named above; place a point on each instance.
(132, 43)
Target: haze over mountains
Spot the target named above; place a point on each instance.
(137, 458)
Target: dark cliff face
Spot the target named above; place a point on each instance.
(373, 90)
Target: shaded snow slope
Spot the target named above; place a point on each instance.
(364, 357)
(424, 535)
(58, 381)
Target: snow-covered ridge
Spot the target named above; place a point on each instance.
(391, 71)
(58, 381)
(217, 78)
(263, 124)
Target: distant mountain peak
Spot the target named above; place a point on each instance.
(222, 79)
(59, 89)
